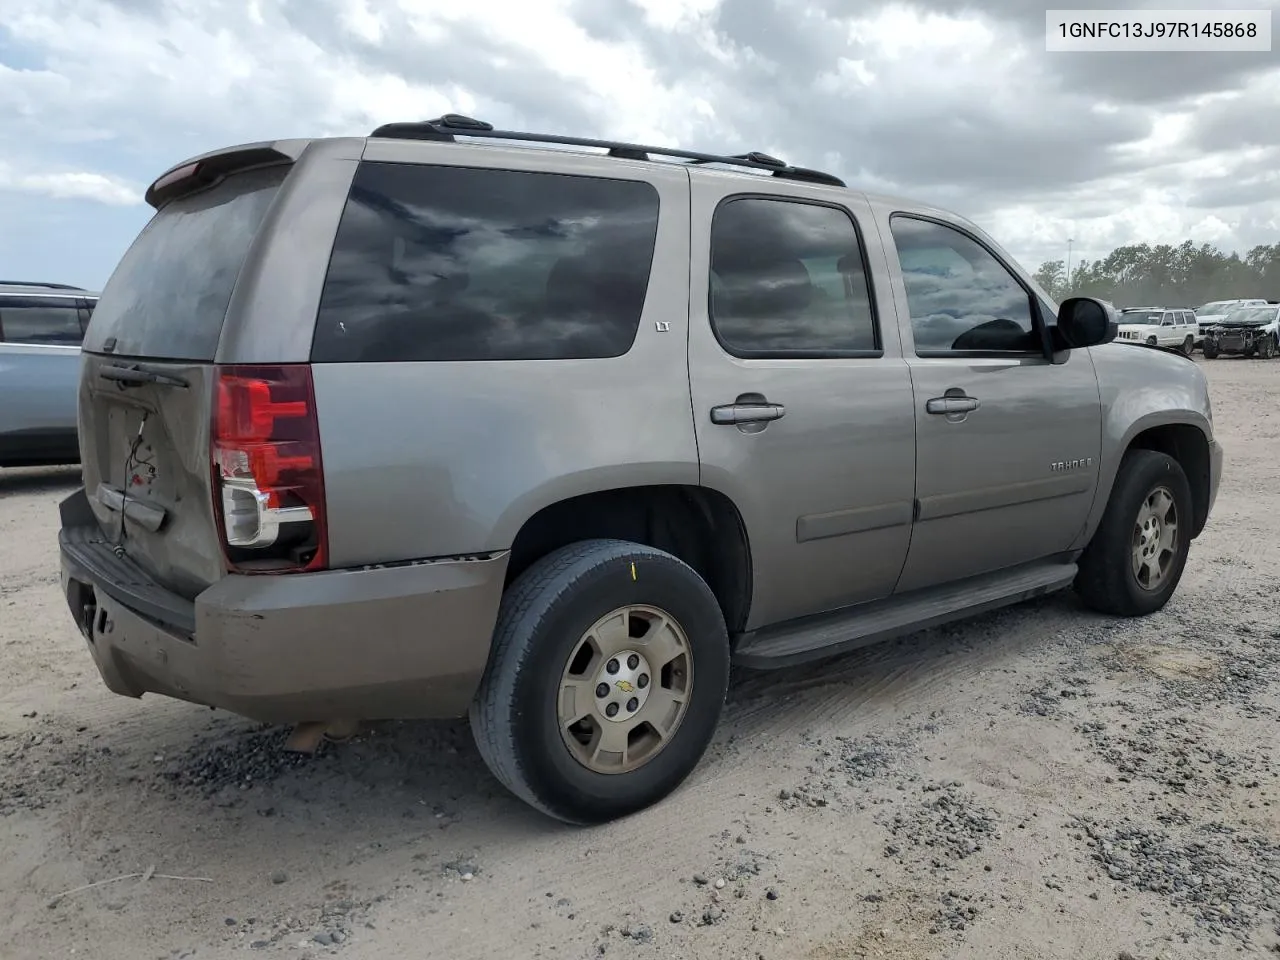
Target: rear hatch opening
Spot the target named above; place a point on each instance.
(193, 469)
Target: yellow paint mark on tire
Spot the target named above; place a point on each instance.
(633, 569)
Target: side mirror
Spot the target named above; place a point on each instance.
(1085, 322)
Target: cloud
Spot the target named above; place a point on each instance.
(72, 185)
(949, 101)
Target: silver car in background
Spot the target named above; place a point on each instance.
(41, 327)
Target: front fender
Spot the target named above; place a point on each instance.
(1142, 390)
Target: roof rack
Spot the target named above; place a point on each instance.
(450, 126)
(47, 286)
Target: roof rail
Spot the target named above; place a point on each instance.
(450, 126)
(48, 286)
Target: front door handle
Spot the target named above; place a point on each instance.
(739, 413)
(950, 405)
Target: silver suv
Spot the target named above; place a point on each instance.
(442, 421)
(41, 326)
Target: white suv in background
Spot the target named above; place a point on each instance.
(1159, 327)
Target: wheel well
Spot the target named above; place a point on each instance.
(1186, 444)
(702, 527)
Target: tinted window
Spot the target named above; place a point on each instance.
(451, 263)
(168, 297)
(789, 279)
(40, 320)
(1048, 313)
(959, 295)
(1140, 316)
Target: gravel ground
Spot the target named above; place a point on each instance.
(1038, 783)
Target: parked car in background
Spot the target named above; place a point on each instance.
(1159, 327)
(41, 326)
(1217, 310)
(407, 426)
(1247, 331)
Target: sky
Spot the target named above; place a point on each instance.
(948, 101)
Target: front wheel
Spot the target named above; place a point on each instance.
(608, 672)
(1152, 342)
(1267, 348)
(1210, 352)
(1135, 559)
(1189, 346)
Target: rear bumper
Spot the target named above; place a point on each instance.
(404, 641)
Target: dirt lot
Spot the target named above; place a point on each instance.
(1038, 783)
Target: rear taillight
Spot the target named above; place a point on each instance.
(267, 473)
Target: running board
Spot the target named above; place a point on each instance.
(830, 634)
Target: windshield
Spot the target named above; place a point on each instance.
(1216, 306)
(1252, 315)
(1141, 316)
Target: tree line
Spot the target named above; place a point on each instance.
(1183, 276)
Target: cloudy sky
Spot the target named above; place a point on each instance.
(951, 101)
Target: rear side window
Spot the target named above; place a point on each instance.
(168, 296)
(40, 320)
(435, 263)
(788, 279)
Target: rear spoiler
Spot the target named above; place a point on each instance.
(204, 171)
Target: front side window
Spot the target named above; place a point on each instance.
(438, 263)
(961, 298)
(40, 320)
(788, 279)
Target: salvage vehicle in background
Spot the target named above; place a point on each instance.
(1246, 331)
(1216, 310)
(1159, 327)
(41, 327)
(418, 425)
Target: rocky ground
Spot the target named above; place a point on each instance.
(1038, 783)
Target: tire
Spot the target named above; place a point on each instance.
(1267, 349)
(1210, 353)
(1152, 342)
(544, 618)
(1189, 346)
(1106, 580)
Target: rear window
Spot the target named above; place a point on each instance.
(40, 320)
(168, 296)
(435, 263)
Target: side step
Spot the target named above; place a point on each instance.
(829, 634)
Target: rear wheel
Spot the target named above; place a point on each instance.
(1136, 557)
(606, 680)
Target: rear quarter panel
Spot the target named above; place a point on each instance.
(447, 458)
(1142, 388)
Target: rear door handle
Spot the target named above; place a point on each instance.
(731, 413)
(947, 405)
